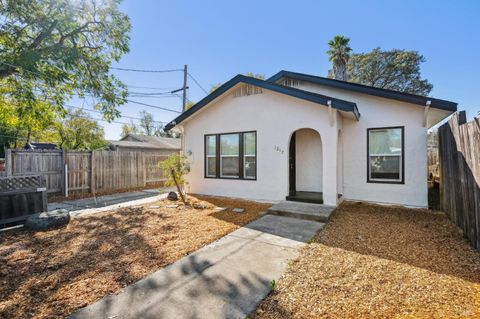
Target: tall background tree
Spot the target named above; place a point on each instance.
(75, 131)
(397, 70)
(51, 50)
(339, 55)
(148, 126)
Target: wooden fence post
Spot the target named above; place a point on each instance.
(64, 172)
(92, 172)
(144, 169)
(8, 162)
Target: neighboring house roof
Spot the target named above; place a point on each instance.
(134, 144)
(41, 146)
(339, 104)
(155, 141)
(360, 88)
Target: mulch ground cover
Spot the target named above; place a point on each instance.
(380, 262)
(51, 274)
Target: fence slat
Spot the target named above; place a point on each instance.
(459, 158)
(94, 171)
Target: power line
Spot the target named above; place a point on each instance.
(197, 83)
(151, 93)
(146, 71)
(149, 87)
(140, 103)
(154, 106)
(100, 112)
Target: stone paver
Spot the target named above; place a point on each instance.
(225, 279)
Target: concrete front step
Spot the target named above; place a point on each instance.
(308, 211)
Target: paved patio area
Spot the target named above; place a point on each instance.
(225, 279)
(106, 200)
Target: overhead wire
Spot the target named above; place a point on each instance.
(197, 83)
(135, 102)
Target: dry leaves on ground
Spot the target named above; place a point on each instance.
(51, 274)
(380, 262)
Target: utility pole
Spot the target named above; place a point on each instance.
(185, 73)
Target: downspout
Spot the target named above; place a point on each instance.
(425, 113)
(330, 111)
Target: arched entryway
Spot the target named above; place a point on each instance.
(305, 166)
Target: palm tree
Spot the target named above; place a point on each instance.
(339, 55)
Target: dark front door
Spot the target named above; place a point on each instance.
(291, 165)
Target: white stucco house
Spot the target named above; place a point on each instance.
(309, 138)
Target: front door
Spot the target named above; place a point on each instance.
(291, 166)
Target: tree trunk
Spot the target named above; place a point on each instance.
(178, 187)
(340, 71)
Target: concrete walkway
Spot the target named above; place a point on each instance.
(108, 200)
(225, 279)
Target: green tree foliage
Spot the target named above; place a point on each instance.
(175, 167)
(397, 70)
(131, 128)
(148, 125)
(76, 131)
(256, 76)
(339, 55)
(51, 50)
(250, 74)
(18, 122)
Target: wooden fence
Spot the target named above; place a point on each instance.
(459, 157)
(21, 196)
(89, 171)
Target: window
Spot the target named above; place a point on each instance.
(249, 155)
(211, 154)
(385, 155)
(231, 155)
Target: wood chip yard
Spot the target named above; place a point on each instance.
(380, 262)
(369, 262)
(51, 274)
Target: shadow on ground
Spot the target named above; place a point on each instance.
(416, 237)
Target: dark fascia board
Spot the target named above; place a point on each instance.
(360, 88)
(341, 105)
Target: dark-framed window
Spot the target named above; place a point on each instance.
(386, 155)
(231, 155)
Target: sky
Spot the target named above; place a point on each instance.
(219, 39)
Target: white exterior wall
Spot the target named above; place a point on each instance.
(275, 117)
(380, 112)
(308, 161)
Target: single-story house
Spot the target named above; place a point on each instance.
(137, 142)
(310, 138)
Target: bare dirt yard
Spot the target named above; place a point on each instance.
(380, 262)
(51, 274)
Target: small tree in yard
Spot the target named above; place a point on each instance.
(174, 169)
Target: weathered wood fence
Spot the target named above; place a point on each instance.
(89, 171)
(459, 157)
(21, 196)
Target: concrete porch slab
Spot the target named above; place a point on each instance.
(307, 211)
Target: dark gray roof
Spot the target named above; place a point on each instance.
(41, 146)
(339, 104)
(154, 141)
(355, 87)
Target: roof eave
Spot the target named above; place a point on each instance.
(305, 95)
(360, 88)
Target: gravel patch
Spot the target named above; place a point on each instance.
(380, 262)
(51, 274)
